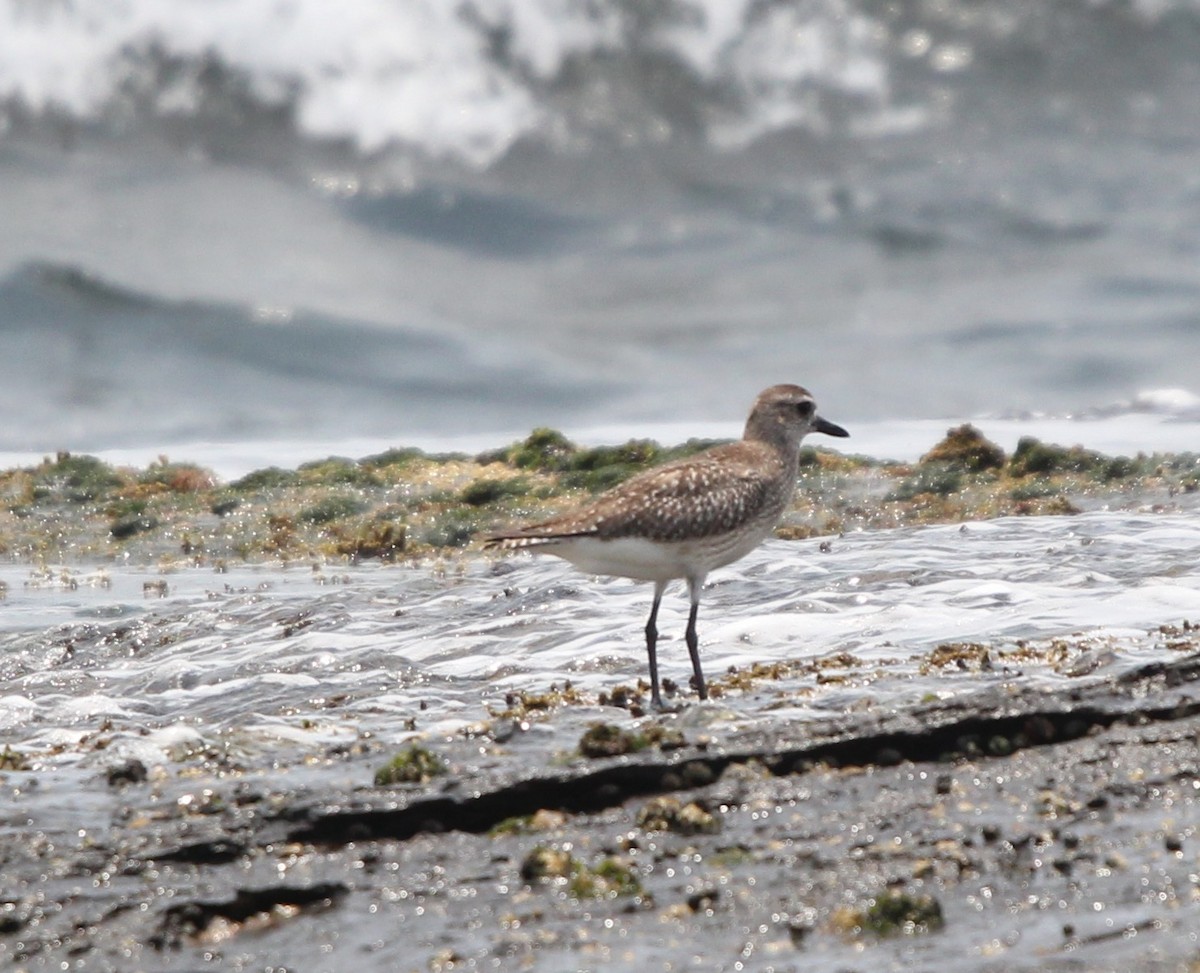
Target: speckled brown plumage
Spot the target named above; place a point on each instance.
(683, 519)
(727, 488)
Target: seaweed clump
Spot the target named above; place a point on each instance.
(610, 740)
(1034, 456)
(668, 813)
(892, 913)
(382, 538)
(610, 878)
(413, 765)
(78, 479)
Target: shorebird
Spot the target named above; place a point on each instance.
(685, 518)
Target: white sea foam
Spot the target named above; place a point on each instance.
(1172, 402)
(372, 72)
(453, 79)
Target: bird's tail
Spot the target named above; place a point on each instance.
(511, 542)
(530, 537)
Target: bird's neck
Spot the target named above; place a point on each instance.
(786, 448)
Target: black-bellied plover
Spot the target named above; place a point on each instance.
(682, 519)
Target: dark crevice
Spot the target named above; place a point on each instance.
(216, 851)
(977, 736)
(190, 920)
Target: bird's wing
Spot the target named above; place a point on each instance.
(710, 493)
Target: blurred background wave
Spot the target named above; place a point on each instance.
(231, 220)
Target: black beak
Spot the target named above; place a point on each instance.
(829, 428)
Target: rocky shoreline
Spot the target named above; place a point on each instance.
(1008, 824)
(1008, 829)
(406, 504)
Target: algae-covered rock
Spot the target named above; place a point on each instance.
(78, 479)
(543, 862)
(453, 527)
(414, 765)
(488, 490)
(543, 449)
(894, 913)
(966, 448)
(397, 457)
(268, 478)
(605, 466)
(331, 508)
(381, 537)
(610, 878)
(668, 813)
(178, 477)
(1034, 456)
(891, 913)
(609, 740)
(336, 470)
(11, 759)
(935, 479)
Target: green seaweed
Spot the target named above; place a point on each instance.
(610, 740)
(1119, 468)
(392, 458)
(1034, 456)
(79, 479)
(1035, 489)
(609, 878)
(413, 765)
(899, 913)
(937, 479)
(668, 813)
(487, 490)
(381, 538)
(328, 509)
(269, 478)
(335, 471)
(605, 466)
(451, 528)
(546, 450)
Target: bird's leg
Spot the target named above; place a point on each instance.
(693, 643)
(651, 646)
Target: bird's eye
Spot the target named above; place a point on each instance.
(805, 408)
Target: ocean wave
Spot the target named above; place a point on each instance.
(462, 80)
(468, 80)
(1169, 403)
(86, 360)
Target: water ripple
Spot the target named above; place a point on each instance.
(273, 658)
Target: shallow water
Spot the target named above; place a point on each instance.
(283, 663)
